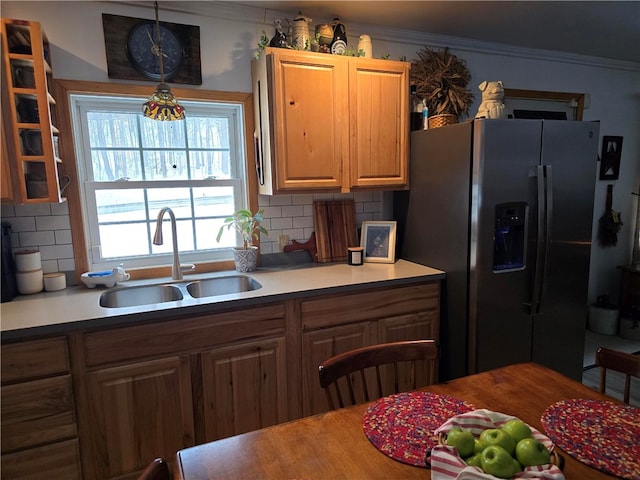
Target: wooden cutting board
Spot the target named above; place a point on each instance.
(335, 227)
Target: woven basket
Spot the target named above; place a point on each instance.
(442, 120)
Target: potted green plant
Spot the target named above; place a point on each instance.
(441, 79)
(248, 225)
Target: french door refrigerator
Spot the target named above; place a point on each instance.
(505, 208)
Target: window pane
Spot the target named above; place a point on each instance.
(122, 240)
(120, 205)
(177, 199)
(111, 165)
(110, 129)
(165, 165)
(213, 202)
(184, 228)
(210, 164)
(208, 132)
(207, 231)
(157, 134)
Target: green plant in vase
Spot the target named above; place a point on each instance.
(248, 225)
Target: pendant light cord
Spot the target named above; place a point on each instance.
(159, 43)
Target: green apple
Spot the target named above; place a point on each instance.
(479, 446)
(463, 441)
(496, 461)
(517, 429)
(530, 451)
(495, 436)
(475, 460)
(516, 466)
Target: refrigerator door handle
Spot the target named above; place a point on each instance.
(540, 217)
(547, 234)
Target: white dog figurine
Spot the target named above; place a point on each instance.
(492, 95)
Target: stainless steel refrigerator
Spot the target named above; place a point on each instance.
(505, 208)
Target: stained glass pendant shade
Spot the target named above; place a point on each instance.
(162, 105)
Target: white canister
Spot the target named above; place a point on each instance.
(364, 44)
(29, 282)
(28, 260)
(55, 281)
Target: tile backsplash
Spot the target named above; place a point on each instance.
(292, 215)
(47, 226)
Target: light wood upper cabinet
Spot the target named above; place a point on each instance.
(28, 110)
(378, 123)
(330, 122)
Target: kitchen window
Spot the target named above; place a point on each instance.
(130, 167)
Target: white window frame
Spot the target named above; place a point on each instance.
(79, 103)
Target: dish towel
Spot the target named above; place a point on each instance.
(446, 464)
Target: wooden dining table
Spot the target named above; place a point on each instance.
(333, 445)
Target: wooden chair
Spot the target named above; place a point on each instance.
(156, 470)
(339, 369)
(625, 363)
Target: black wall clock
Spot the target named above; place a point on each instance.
(143, 50)
(129, 48)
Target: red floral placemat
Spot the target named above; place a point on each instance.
(401, 426)
(604, 435)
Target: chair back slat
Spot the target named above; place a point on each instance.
(622, 362)
(156, 470)
(378, 367)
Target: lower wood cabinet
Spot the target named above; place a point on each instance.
(139, 412)
(147, 390)
(57, 461)
(39, 429)
(336, 324)
(156, 388)
(244, 387)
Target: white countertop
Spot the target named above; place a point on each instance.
(78, 307)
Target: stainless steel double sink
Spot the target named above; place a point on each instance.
(125, 296)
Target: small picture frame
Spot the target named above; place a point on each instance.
(379, 241)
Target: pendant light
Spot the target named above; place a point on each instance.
(162, 105)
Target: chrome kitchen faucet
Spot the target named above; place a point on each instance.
(176, 268)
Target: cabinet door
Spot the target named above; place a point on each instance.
(140, 411)
(317, 346)
(309, 126)
(244, 387)
(414, 326)
(379, 98)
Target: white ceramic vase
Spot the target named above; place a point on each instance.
(246, 260)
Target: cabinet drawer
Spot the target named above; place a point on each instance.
(183, 334)
(369, 305)
(38, 358)
(56, 461)
(37, 412)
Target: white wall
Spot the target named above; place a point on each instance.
(228, 42)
